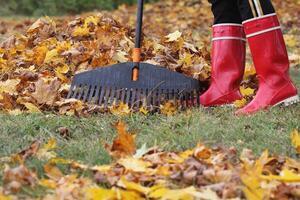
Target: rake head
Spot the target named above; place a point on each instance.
(109, 86)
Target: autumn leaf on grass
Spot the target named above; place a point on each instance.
(46, 92)
(240, 103)
(174, 36)
(168, 109)
(30, 151)
(16, 178)
(32, 108)
(120, 110)
(46, 151)
(296, 140)
(124, 144)
(70, 107)
(53, 172)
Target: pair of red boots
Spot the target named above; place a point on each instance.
(270, 59)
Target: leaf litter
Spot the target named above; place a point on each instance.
(151, 173)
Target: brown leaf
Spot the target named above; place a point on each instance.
(46, 92)
(124, 144)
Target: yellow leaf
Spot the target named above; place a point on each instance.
(168, 109)
(4, 197)
(144, 110)
(285, 176)
(15, 112)
(133, 186)
(47, 183)
(249, 71)
(291, 41)
(96, 193)
(135, 165)
(81, 31)
(60, 71)
(296, 140)
(120, 110)
(129, 195)
(189, 193)
(186, 60)
(91, 20)
(32, 108)
(173, 36)
(50, 55)
(247, 91)
(53, 172)
(9, 86)
(45, 153)
(240, 103)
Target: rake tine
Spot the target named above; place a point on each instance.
(159, 98)
(143, 96)
(112, 96)
(149, 98)
(118, 96)
(86, 92)
(187, 99)
(106, 97)
(98, 89)
(123, 95)
(71, 91)
(176, 98)
(154, 99)
(181, 100)
(163, 96)
(92, 92)
(138, 98)
(103, 90)
(75, 92)
(128, 96)
(81, 91)
(133, 98)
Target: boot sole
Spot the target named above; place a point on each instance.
(289, 101)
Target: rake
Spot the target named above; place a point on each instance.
(135, 83)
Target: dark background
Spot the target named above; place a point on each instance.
(57, 7)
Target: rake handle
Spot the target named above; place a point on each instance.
(139, 24)
(138, 40)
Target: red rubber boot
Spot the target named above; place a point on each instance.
(228, 65)
(272, 64)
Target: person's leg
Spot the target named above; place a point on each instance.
(269, 54)
(228, 55)
(226, 11)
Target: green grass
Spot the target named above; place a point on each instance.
(265, 130)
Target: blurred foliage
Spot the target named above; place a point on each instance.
(57, 7)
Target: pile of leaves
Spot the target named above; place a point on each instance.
(37, 63)
(151, 173)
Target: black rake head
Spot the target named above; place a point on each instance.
(113, 85)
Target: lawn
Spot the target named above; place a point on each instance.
(265, 130)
